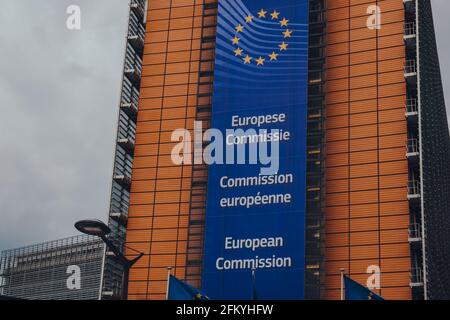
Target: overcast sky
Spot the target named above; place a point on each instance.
(59, 93)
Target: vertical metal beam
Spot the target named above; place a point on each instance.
(422, 197)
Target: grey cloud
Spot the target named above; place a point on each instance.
(59, 93)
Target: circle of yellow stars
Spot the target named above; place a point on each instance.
(283, 46)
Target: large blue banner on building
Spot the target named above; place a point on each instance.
(255, 228)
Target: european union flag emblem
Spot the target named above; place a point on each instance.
(180, 290)
(246, 53)
(355, 291)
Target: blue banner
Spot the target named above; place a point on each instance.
(255, 228)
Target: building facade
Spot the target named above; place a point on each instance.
(65, 269)
(367, 207)
(377, 205)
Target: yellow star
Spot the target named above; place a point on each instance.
(284, 22)
(247, 59)
(262, 13)
(238, 52)
(248, 19)
(235, 40)
(283, 46)
(287, 33)
(275, 14)
(273, 56)
(239, 28)
(260, 61)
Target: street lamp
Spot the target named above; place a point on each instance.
(93, 227)
(99, 229)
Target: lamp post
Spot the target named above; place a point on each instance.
(99, 229)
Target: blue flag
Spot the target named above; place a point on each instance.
(355, 291)
(179, 290)
(254, 294)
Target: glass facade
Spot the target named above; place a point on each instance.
(435, 157)
(124, 153)
(47, 271)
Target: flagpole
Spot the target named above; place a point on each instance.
(342, 284)
(169, 272)
(253, 283)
